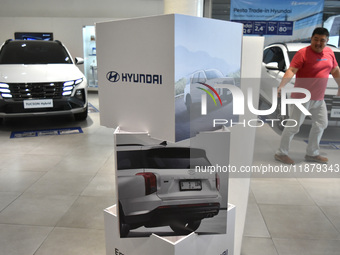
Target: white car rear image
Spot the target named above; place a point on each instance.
(159, 186)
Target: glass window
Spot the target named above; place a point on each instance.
(337, 56)
(195, 78)
(201, 76)
(291, 54)
(335, 27)
(34, 52)
(213, 74)
(274, 54)
(162, 158)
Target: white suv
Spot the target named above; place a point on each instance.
(158, 186)
(276, 60)
(210, 77)
(40, 78)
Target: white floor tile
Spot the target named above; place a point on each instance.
(307, 247)
(21, 240)
(37, 210)
(73, 241)
(258, 246)
(298, 221)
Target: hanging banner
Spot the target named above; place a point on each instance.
(272, 17)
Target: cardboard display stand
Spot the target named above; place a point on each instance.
(143, 70)
(149, 70)
(214, 236)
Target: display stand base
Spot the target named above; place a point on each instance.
(195, 244)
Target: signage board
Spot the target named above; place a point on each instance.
(279, 18)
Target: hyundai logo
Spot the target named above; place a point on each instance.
(191, 171)
(113, 76)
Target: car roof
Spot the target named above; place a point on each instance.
(299, 45)
(31, 41)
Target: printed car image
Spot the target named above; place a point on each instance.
(40, 78)
(276, 60)
(210, 77)
(158, 186)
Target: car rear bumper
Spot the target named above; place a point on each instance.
(164, 215)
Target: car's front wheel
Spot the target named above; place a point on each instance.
(185, 228)
(124, 228)
(188, 102)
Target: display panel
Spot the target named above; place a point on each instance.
(33, 36)
(146, 69)
(157, 74)
(207, 62)
(172, 189)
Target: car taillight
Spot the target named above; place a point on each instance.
(150, 182)
(217, 181)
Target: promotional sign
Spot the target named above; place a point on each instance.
(160, 79)
(271, 17)
(207, 61)
(172, 189)
(161, 74)
(135, 59)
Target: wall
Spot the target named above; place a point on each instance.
(80, 8)
(67, 30)
(66, 18)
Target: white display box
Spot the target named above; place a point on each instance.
(145, 64)
(171, 245)
(152, 46)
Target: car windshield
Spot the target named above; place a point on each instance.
(34, 52)
(213, 74)
(162, 158)
(292, 53)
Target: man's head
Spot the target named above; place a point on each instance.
(319, 39)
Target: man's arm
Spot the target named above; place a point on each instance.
(336, 75)
(287, 77)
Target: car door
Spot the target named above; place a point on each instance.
(198, 77)
(273, 67)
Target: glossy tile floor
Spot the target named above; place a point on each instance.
(294, 214)
(53, 190)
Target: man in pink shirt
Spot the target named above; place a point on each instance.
(312, 66)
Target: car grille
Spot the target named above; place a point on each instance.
(332, 102)
(21, 91)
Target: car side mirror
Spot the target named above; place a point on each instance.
(272, 66)
(79, 61)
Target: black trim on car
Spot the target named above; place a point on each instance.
(164, 215)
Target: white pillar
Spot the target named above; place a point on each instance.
(187, 7)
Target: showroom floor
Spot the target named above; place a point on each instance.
(53, 189)
(294, 214)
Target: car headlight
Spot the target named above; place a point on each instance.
(5, 91)
(68, 86)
